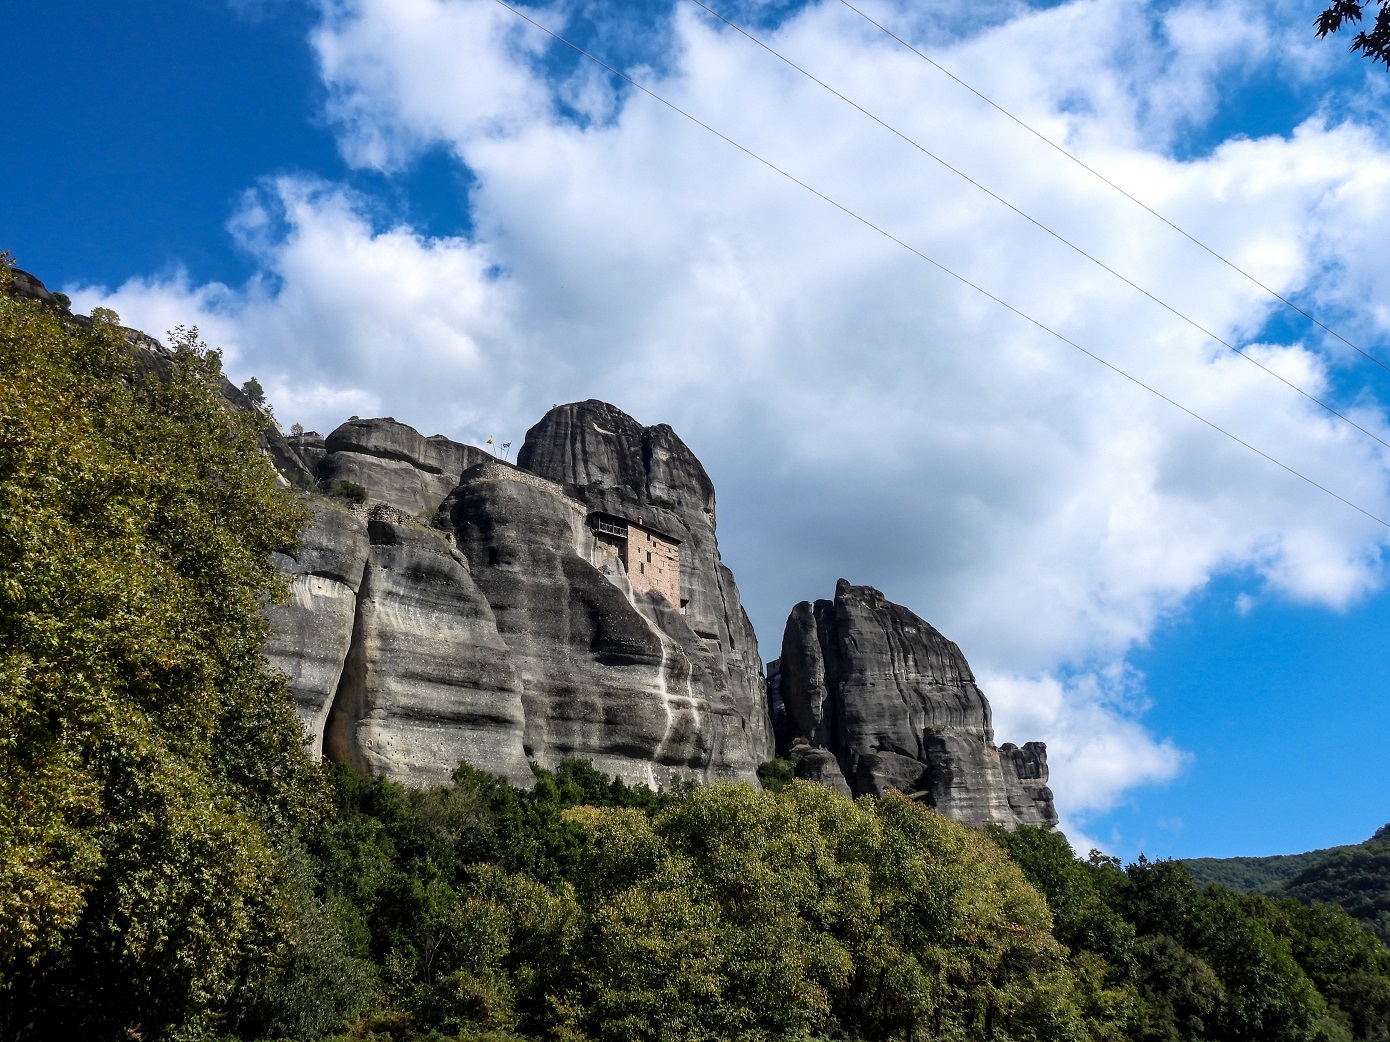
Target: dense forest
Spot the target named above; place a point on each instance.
(173, 867)
(1265, 875)
(1356, 877)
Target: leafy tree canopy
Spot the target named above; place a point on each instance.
(1356, 877)
(146, 757)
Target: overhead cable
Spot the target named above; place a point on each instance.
(1043, 227)
(1138, 202)
(937, 264)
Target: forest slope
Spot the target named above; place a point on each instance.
(1354, 877)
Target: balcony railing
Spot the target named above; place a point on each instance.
(608, 528)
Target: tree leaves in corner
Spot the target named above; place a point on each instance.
(1372, 42)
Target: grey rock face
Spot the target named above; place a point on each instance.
(611, 463)
(512, 633)
(392, 654)
(895, 703)
(27, 287)
(1025, 778)
(311, 634)
(310, 447)
(396, 464)
(609, 674)
(820, 765)
(288, 463)
(428, 680)
(600, 679)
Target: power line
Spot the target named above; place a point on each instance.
(1042, 227)
(1138, 202)
(937, 264)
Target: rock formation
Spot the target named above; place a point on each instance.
(311, 633)
(575, 605)
(395, 464)
(868, 697)
(473, 610)
(392, 652)
(603, 458)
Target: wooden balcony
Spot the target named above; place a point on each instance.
(608, 528)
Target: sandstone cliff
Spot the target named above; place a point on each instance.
(606, 460)
(471, 609)
(869, 697)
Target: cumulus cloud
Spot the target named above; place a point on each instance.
(863, 414)
(1096, 748)
(404, 72)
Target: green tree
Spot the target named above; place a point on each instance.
(253, 390)
(1185, 995)
(1267, 995)
(739, 913)
(147, 760)
(349, 490)
(1357, 878)
(1106, 950)
(1344, 960)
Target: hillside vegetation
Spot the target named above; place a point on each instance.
(587, 909)
(148, 764)
(1264, 875)
(1356, 877)
(172, 867)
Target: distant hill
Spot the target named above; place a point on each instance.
(1262, 875)
(1356, 877)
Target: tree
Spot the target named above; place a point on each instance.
(736, 913)
(147, 759)
(1356, 878)
(1374, 42)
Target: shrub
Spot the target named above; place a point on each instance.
(349, 490)
(776, 775)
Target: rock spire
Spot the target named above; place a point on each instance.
(867, 696)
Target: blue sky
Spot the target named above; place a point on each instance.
(418, 208)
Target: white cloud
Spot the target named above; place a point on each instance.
(863, 414)
(1096, 749)
(404, 72)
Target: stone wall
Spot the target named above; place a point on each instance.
(653, 563)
